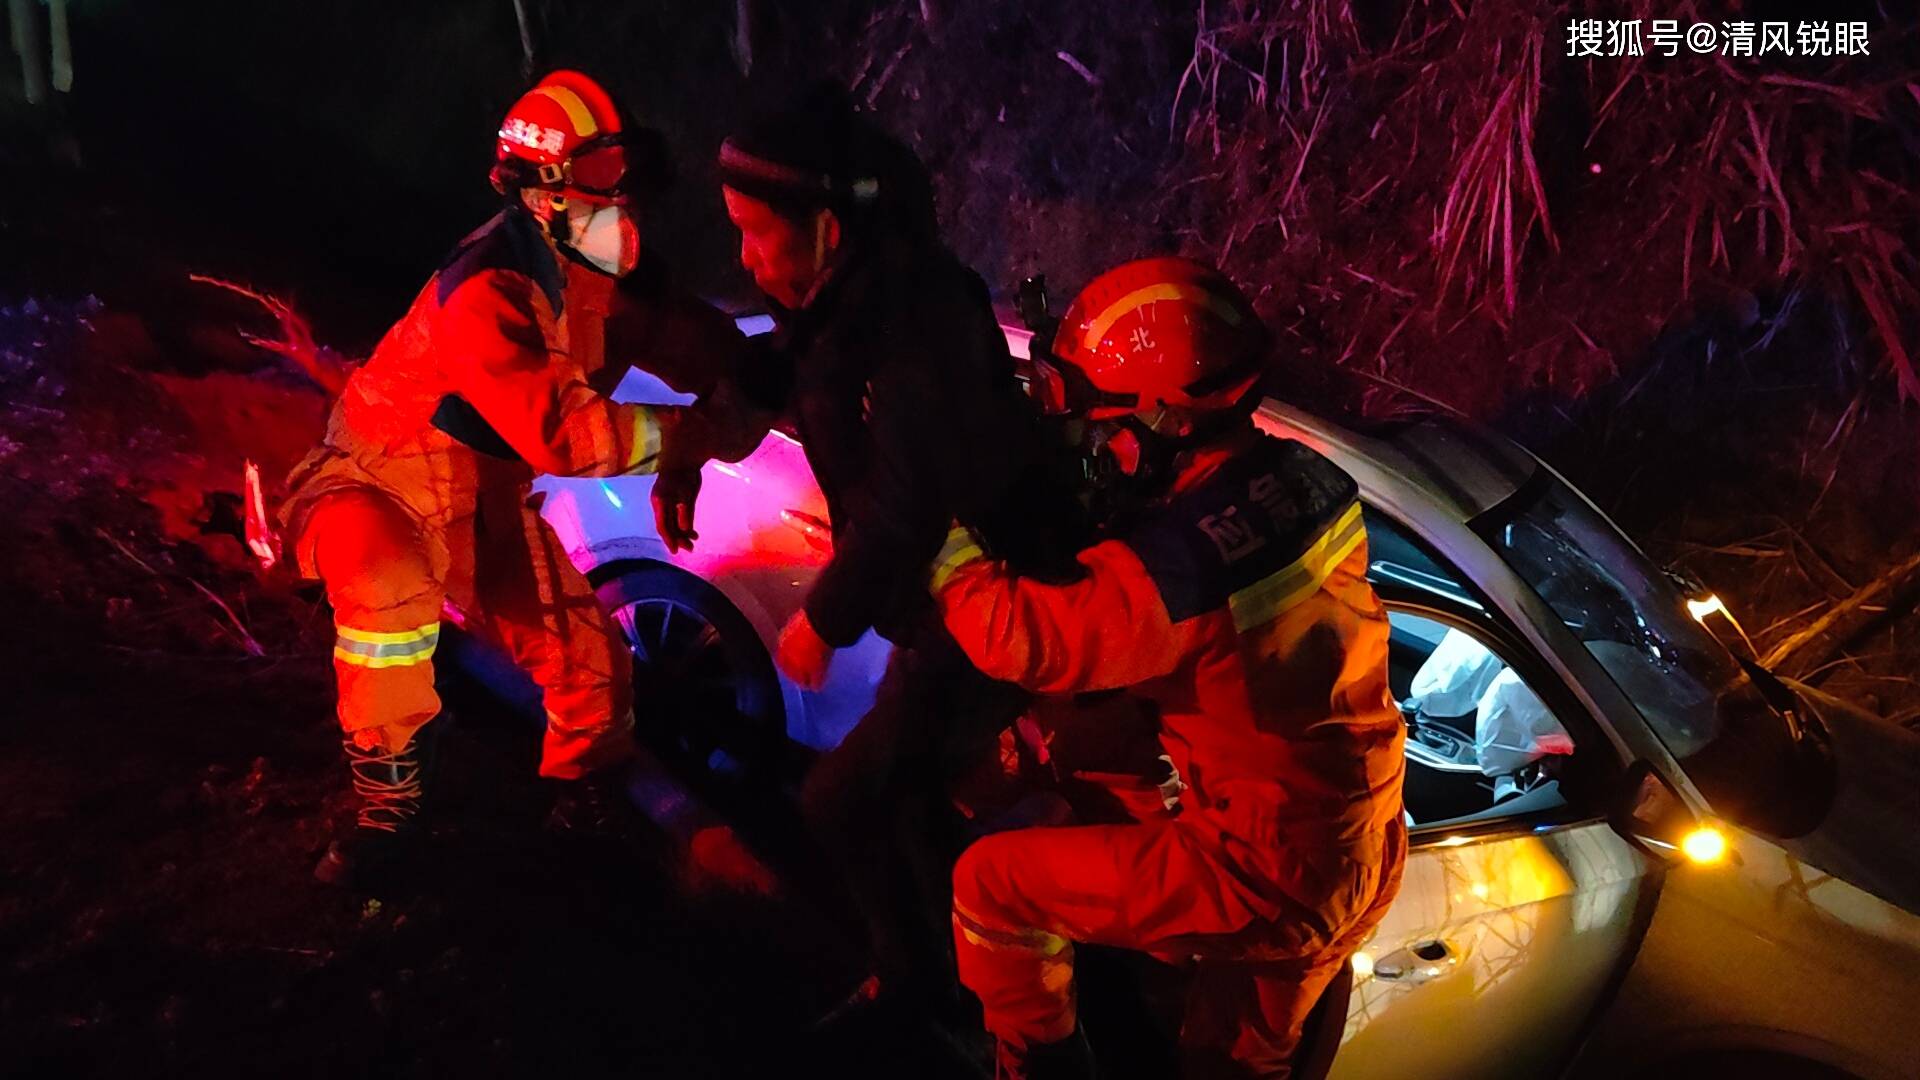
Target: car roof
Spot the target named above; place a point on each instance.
(1462, 469)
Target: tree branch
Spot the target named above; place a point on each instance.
(1891, 593)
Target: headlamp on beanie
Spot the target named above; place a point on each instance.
(790, 187)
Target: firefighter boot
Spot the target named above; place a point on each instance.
(1070, 1058)
(595, 805)
(390, 786)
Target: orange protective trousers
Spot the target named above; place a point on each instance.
(1240, 609)
(503, 570)
(1169, 887)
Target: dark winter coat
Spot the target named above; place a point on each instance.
(904, 397)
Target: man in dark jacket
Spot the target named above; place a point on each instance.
(905, 400)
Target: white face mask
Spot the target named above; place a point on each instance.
(606, 236)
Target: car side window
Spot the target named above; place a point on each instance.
(1482, 742)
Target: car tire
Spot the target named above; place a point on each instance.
(704, 687)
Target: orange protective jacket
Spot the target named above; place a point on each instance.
(498, 372)
(1241, 608)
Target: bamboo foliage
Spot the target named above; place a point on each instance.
(1762, 175)
(1496, 170)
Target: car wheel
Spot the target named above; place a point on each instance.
(704, 687)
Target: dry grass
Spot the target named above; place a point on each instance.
(1774, 176)
(1701, 273)
(1749, 173)
(1495, 171)
(1288, 51)
(1462, 219)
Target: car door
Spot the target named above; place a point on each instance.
(764, 538)
(1514, 916)
(1497, 951)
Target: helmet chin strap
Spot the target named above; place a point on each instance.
(550, 211)
(1144, 455)
(1143, 446)
(1123, 464)
(576, 236)
(1134, 461)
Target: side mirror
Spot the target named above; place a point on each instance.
(1781, 751)
(1651, 814)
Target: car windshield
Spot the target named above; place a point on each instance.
(1624, 611)
(1743, 754)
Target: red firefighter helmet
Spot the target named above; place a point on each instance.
(1152, 333)
(564, 135)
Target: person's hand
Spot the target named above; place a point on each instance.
(802, 654)
(674, 493)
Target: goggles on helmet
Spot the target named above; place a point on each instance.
(1058, 388)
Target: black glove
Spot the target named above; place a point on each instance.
(674, 492)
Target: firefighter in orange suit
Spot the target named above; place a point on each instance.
(1233, 596)
(416, 502)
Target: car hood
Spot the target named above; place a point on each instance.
(1867, 836)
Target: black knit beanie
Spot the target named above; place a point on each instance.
(821, 154)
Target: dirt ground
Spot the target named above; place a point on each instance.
(169, 766)
(159, 916)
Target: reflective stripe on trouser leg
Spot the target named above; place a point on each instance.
(1022, 976)
(1244, 1020)
(1163, 887)
(386, 609)
(385, 649)
(384, 700)
(385, 679)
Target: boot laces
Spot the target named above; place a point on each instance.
(385, 804)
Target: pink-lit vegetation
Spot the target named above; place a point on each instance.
(1688, 281)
